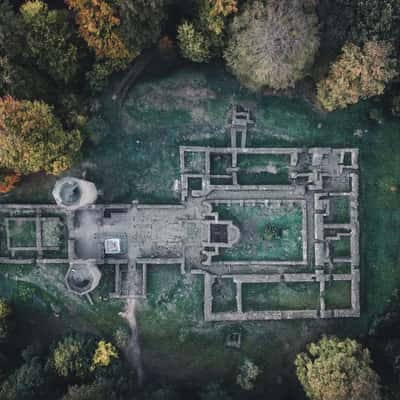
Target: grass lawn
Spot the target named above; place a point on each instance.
(341, 247)
(338, 294)
(219, 163)
(22, 233)
(339, 210)
(195, 162)
(263, 169)
(224, 295)
(280, 296)
(254, 243)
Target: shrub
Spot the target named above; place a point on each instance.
(248, 373)
(104, 353)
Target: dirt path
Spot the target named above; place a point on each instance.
(132, 352)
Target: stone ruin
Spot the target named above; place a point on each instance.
(318, 182)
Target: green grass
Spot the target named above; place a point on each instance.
(342, 268)
(195, 162)
(262, 178)
(341, 247)
(338, 294)
(22, 233)
(219, 163)
(339, 210)
(162, 281)
(106, 285)
(252, 169)
(253, 221)
(224, 295)
(280, 296)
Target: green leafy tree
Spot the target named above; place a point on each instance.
(376, 20)
(32, 139)
(7, 76)
(12, 45)
(5, 316)
(50, 39)
(101, 70)
(205, 36)
(71, 357)
(93, 391)
(29, 382)
(357, 74)
(334, 369)
(11, 35)
(141, 22)
(272, 43)
(193, 44)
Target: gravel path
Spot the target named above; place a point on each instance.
(132, 352)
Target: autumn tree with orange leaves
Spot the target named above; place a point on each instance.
(358, 73)
(32, 139)
(98, 27)
(8, 181)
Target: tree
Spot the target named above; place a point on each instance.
(28, 382)
(71, 357)
(94, 391)
(272, 43)
(332, 369)
(104, 353)
(98, 26)
(5, 315)
(8, 181)
(205, 37)
(12, 44)
(248, 373)
(193, 44)
(141, 22)
(357, 74)
(376, 20)
(11, 36)
(213, 13)
(32, 139)
(224, 7)
(50, 40)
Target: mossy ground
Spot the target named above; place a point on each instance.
(135, 156)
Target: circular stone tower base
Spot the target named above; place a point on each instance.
(73, 193)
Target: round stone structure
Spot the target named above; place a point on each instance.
(73, 193)
(82, 277)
